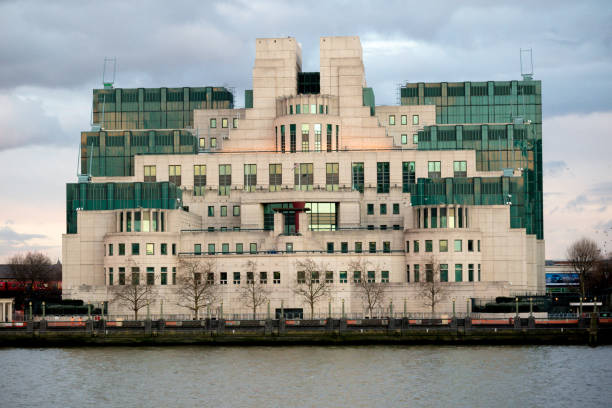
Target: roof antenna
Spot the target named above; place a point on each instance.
(526, 64)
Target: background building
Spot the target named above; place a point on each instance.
(446, 186)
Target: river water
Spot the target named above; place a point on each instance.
(365, 376)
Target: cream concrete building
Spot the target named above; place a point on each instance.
(310, 169)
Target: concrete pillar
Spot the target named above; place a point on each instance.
(279, 223)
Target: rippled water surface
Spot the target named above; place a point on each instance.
(375, 376)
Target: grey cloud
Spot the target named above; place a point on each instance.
(555, 168)
(12, 241)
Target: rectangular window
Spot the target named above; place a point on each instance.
(382, 177)
(407, 273)
(443, 218)
(213, 123)
(298, 109)
(407, 246)
(429, 277)
(303, 176)
(433, 168)
(443, 272)
(458, 245)
(391, 120)
(387, 246)
(225, 248)
(292, 142)
(110, 249)
(213, 142)
(199, 179)
(263, 278)
(197, 249)
(330, 247)
(428, 245)
(225, 179)
(150, 174)
(164, 275)
(289, 247)
(383, 209)
(356, 276)
(357, 177)
(358, 247)
(470, 245)
(313, 109)
(174, 275)
(150, 276)
(135, 276)
(122, 276)
(110, 276)
(224, 123)
(384, 276)
(404, 138)
(239, 248)
(317, 130)
(415, 119)
(163, 249)
(305, 137)
(211, 211)
(276, 177)
(253, 247)
(372, 247)
(443, 245)
(150, 249)
(223, 278)
(370, 208)
(478, 245)
(135, 249)
(236, 211)
(396, 208)
(236, 278)
(283, 138)
(235, 123)
(173, 249)
(343, 277)
(470, 272)
(331, 176)
(417, 277)
(415, 138)
(371, 276)
(329, 138)
(277, 278)
(211, 249)
(460, 168)
(404, 120)
(202, 143)
(128, 220)
(415, 246)
(458, 273)
(223, 211)
(478, 272)
(329, 277)
(174, 174)
(344, 247)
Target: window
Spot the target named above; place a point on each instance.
(458, 246)
(415, 119)
(199, 179)
(329, 138)
(404, 120)
(213, 142)
(174, 275)
(371, 227)
(135, 276)
(415, 138)
(404, 138)
(202, 143)
(428, 245)
(384, 276)
(211, 211)
(443, 218)
(358, 247)
(250, 177)
(433, 168)
(150, 276)
(371, 276)
(122, 276)
(330, 247)
(223, 211)
(415, 246)
(213, 123)
(387, 246)
(224, 123)
(460, 168)
(303, 176)
(197, 249)
(277, 278)
(211, 249)
(470, 272)
(370, 209)
(382, 177)
(239, 248)
(110, 276)
(331, 177)
(479, 247)
(236, 278)
(283, 138)
(407, 273)
(164, 275)
(372, 247)
(314, 277)
(417, 277)
(478, 272)
(289, 247)
(135, 249)
(150, 174)
(236, 211)
(329, 277)
(174, 174)
(263, 278)
(343, 277)
(396, 208)
(292, 137)
(317, 130)
(173, 249)
(276, 177)
(408, 176)
(110, 249)
(223, 278)
(225, 179)
(225, 248)
(356, 276)
(383, 227)
(253, 247)
(407, 246)
(357, 177)
(443, 272)
(429, 277)
(235, 123)
(458, 273)
(344, 247)
(291, 109)
(391, 120)
(383, 209)
(150, 249)
(443, 245)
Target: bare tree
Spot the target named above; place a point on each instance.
(133, 296)
(196, 286)
(254, 293)
(31, 268)
(432, 290)
(372, 293)
(311, 284)
(583, 255)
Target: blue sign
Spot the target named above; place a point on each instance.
(562, 279)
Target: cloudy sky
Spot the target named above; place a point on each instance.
(52, 53)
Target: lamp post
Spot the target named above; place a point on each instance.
(282, 316)
(454, 307)
(391, 308)
(517, 307)
(530, 307)
(221, 311)
(343, 308)
(581, 298)
(467, 307)
(404, 307)
(595, 304)
(268, 309)
(30, 311)
(43, 310)
(161, 309)
(329, 309)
